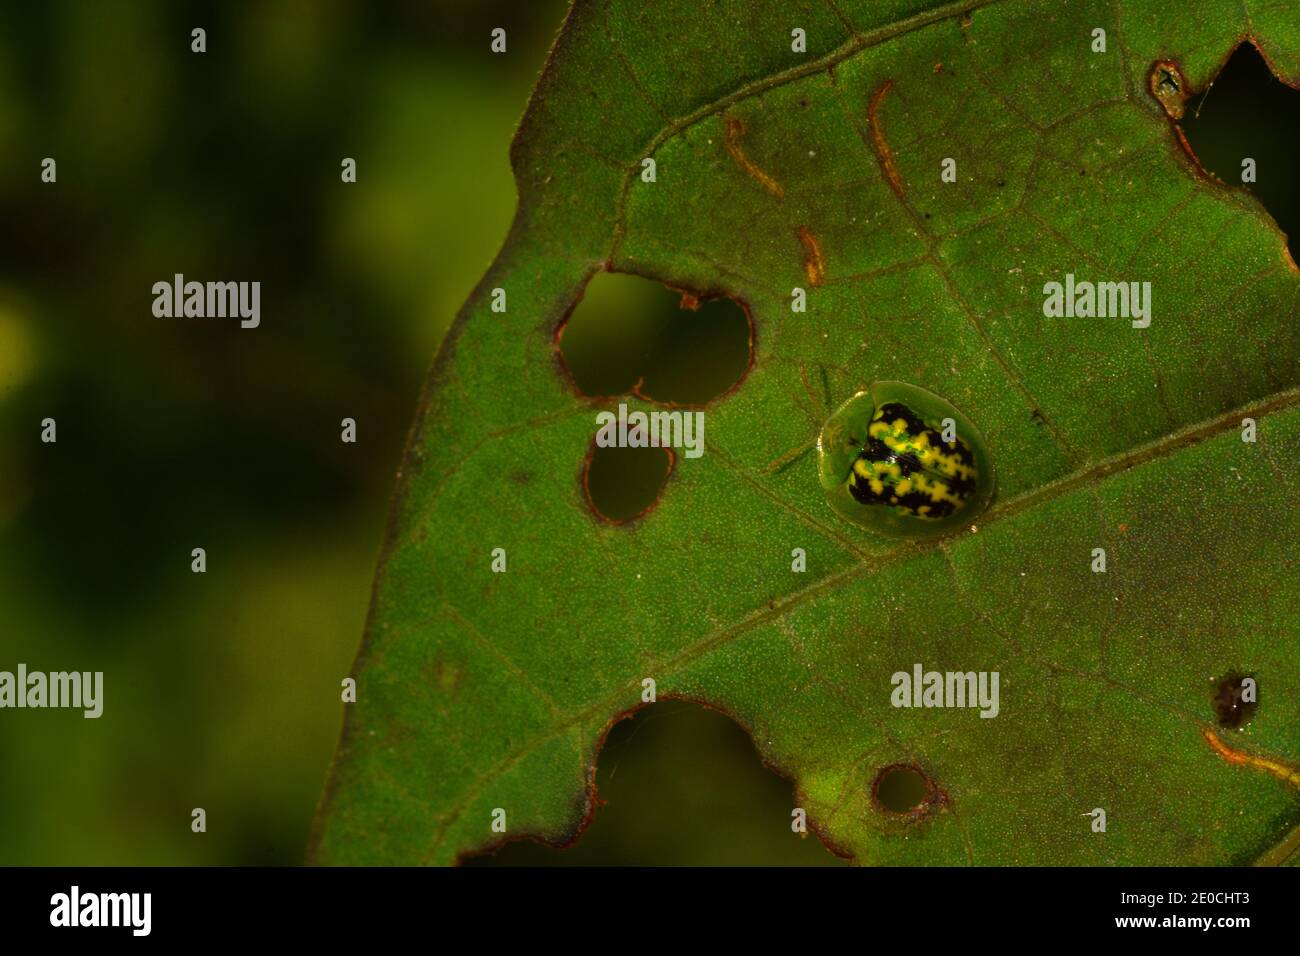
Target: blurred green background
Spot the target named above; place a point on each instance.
(222, 689)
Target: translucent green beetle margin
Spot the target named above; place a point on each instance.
(844, 435)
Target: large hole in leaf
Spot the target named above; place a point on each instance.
(630, 335)
(681, 785)
(624, 483)
(1248, 114)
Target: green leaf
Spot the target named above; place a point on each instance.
(774, 169)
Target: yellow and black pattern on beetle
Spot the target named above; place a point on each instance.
(906, 466)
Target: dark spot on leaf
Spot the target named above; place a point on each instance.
(1232, 712)
(632, 335)
(1245, 113)
(904, 790)
(521, 477)
(625, 483)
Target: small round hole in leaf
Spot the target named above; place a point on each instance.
(632, 335)
(902, 789)
(624, 483)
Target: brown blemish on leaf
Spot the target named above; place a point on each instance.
(1169, 88)
(813, 264)
(1232, 712)
(690, 302)
(735, 133)
(883, 152)
(1191, 154)
(1240, 757)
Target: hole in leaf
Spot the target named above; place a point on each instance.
(625, 483)
(633, 335)
(1248, 113)
(1230, 706)
(680, 785)
(902, 788)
